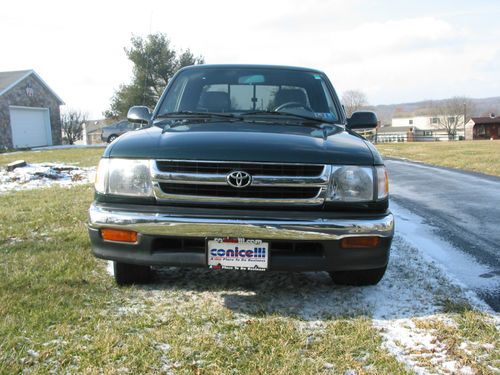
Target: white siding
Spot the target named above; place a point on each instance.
(421, 122)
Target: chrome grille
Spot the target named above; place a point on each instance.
(268, 192)
(260, 169)
(185, 181)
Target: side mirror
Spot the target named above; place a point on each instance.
(362, 120)
(139, 114)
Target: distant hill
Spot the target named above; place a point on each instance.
(385, 112)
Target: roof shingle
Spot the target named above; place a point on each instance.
(486, 120)
(7, 79)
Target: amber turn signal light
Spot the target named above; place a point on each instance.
(359, 242)
(118, 235)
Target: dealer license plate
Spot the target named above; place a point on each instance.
(238, 254)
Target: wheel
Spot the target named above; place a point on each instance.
(127, 274)
(112, 137)
(358, 278)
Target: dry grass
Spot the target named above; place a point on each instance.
(60, 312)
(83, 157)
(475, 156)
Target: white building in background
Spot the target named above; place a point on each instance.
(426, 122)
(418, 128)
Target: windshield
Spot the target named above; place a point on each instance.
(250, 91)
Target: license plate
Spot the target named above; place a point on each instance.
(238, 254)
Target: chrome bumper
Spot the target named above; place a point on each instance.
(172, 224)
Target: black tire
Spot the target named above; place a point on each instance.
(112, 137)
(358, 278)
(127, 274)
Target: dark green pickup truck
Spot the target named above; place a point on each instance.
(245, 167)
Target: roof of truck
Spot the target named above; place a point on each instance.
(250, 66)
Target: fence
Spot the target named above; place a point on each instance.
(395, 138)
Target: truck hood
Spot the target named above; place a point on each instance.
(242, 141)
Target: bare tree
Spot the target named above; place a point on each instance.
(72, 125)
(451, 114)
(354, 100)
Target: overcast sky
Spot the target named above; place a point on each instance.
(395, 51)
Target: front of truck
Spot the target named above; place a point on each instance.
(244, 167)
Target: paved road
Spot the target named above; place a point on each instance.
(463, 208)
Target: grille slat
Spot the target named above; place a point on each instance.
(260, 169)
(264, 192)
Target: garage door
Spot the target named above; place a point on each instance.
(30, 127)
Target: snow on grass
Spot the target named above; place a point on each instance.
(441, 264)
(166, 366)
(416, 347)
(424, 272)
(42, 175)
(109, 268)
(413, 290)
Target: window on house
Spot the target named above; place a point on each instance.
(410, 122)
(428, 133)
(435, 120)
(481, 130)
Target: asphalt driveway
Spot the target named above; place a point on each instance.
(462, 208)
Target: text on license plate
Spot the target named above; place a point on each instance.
(238, 253)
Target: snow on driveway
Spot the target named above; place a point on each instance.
(459, 208)
(458, 266)
(42, 175)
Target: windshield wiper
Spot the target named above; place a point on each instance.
(180, 118)
(180, 114)
(274, 113)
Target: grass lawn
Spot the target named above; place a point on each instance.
(83, 157)
(476, 156)
(60, 311)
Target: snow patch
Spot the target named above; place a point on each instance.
(33, 353)
(166, 365)
(42, 175)
(410, 344)
(110, 268)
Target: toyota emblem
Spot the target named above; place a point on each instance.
(238, 179)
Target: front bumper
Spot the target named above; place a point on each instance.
(322, 229)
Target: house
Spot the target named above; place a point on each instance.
(487, 127)
(420, 128)
(92, 130)
(29, 111)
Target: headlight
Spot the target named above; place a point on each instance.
(124, 177)
(351, 184)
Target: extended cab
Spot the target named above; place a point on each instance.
(244, 167)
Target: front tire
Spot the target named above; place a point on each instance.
(358, 278)
(128, 274)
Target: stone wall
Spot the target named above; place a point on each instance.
(41, 98)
